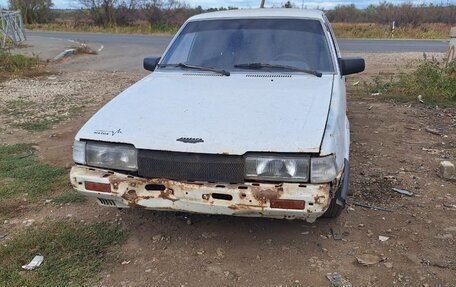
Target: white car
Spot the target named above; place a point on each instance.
(245, 114)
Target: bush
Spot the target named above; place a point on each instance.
(434, 80)
(18, 65)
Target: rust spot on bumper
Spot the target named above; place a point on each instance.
(166, 194)
(265, 195)
(130, 195)
(318, 199)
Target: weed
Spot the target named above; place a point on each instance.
(70, 197)
(38, 126)
(435, 81)
(72, 252)
(19, 66)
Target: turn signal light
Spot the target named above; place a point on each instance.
(96, 186)
(287, 203)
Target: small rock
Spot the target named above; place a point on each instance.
(420, 99)
(368, 259)
(383, 238)
(28, 222)
(450, 229)
(413, 258)
(444, 236)
(148, 270)
(156, 238)
(433, 131)
(447, 170)
(220, 253)
(388, 265)
(207, 235)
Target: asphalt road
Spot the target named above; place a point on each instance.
(160, 42)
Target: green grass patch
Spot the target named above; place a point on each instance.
(73, 254)
(435, 81)
(12, 65)
(23, 177)
(37, 126)
(70, 197)
(21, 172)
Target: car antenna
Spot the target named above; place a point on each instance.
(262, 4)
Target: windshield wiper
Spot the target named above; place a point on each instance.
(258, 66)
(202, 68)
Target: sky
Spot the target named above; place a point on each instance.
(326, 4)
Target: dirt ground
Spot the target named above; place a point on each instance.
(390, 147)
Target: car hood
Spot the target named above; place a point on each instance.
(217, 114)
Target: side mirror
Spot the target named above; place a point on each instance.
(350, 66)
(150, 63)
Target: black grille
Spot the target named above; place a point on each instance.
(191, 166)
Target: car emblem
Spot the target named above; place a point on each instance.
(190, 140)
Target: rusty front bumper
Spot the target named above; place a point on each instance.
(248, 199)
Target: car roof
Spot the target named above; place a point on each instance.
(260, 13)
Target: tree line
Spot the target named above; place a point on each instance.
(173, 13)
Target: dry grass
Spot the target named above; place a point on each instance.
(134, 29)
(342, 30)
(83, 48)
(378, 31)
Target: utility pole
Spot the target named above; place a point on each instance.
(262, 4)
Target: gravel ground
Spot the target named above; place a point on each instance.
(34, 104)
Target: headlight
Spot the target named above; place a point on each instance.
(107, 155)
(323, 169)
(277, 168)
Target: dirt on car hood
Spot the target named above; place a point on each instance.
(211, 113)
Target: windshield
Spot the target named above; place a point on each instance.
(236, 44)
